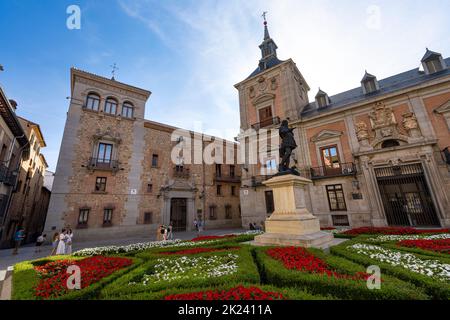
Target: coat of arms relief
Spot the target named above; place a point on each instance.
(384, 126)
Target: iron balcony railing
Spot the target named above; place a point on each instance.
(227, 178)
(181, 172)
(7, 176)
(267, 123)
(344, 169)
(103, 164)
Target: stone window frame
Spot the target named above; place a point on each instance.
(82, 221)
(105, 140)
(155, 155)
(327, 190)
(444, 110)
(329, 143)
(148, 220)
(90, 94)
(116, 100)
(130, 105)
(219, 190)
(101, 183)
(108, 213)
(264, 101)
(212, 214)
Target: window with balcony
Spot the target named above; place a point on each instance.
(83, 217)
(107, 216)
(100, 184)
(104, 155)
(265, 116)
(330, 157)
(111, 106)
(127, 110)
(93, 101)
(336, 198)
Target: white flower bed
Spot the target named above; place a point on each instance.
(191, 267)
(138, 247)
(431, 268)
(149, 245)
(387, 238)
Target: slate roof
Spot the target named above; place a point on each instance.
(270, 64)
(395, 83)
(429, 55)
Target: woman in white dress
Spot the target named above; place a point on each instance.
(69, 241)
(62, 243)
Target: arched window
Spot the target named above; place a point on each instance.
(111, 106)
(390, 144)
(127, 110)
(93, 101)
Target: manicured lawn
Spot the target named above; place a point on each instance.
(414, 265)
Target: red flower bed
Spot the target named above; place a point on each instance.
(327, 228)
(54, 277)
(198, 250)
(300, 259)
(439, 245)
(206, 238)
(237, 293)
(392, 230)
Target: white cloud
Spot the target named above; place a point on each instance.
(330, 42)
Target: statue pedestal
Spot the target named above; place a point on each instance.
(291, 224)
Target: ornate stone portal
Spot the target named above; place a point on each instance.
(291, 224)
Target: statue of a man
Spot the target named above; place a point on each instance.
(287, 146)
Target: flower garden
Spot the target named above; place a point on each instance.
(414, 264)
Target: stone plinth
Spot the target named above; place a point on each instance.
(291, 224)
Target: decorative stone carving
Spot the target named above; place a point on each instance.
(273, 84)
(411, 125)
(383, 122)
(382, 116)
(362, 133)
(252, 92)
(107, 135)
(262, 84)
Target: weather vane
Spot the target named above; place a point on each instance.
(264, 16)
(113, 72)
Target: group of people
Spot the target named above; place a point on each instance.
(198, 225)
(165, 233)
(62, 242)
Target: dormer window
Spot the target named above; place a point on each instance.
(432, 62)
(369, 83)
(322, 99)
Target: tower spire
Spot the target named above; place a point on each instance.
(268, 47)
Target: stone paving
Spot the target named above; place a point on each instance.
(28, 252)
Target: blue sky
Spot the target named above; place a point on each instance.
(191, 53)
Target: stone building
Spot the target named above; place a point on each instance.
(115, 176)
(14, 147)
(377, 154)
(30, 199)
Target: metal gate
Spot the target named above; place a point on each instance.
(406, 197)
(178, 213)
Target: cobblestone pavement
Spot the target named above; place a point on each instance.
(28, 252)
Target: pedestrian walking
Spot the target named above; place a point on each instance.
(39, 242)
(170, 231)
(69, 242)
(18, 237)
(55, 241)
(196, 225)
(61, 249)
(165, 233)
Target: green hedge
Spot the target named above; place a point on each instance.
(155, 253)
(273, 272)
(435, 289)
(444, 257)
(25, 279)
(288, 293)
(247, 272)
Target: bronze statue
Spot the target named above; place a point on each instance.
(288, 145)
